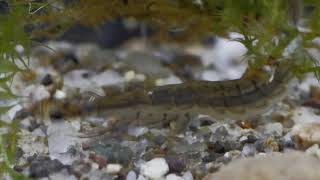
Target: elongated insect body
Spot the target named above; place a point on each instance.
(175, 105)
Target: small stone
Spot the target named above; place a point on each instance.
(112, 151)
(18, 168)
(303, 115)
(211, 157)
(314, 150)
(206, 121)
(306, 134)
(18, 153)
(62, 175)
(141, 177)
(229, 156)
(187, 176)
(36, 93)
(221, 132)
(98, 159)
(80, 167)
(155, 168)
(176, 164)
(271, 145)
(137, 131)
(267, 145)
(249, 150)
(131, 176)
(47, 80)
(217, 147)
(85, 146)
(173, 177)
(43, 166)
(245, 124)
(113, 168)
(249, 139)
(33, 125)
(60, 95)
(275, 129)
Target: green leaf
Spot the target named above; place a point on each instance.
(8, 67)
(6, 79)
(5, 95)
(4, 109)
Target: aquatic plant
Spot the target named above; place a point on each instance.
(12, 35)
(267, 27)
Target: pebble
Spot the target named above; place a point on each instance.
(137, 131)
(113, 168)
(59, 95)
(248, 139)
(36, 93)
(43, 166)
(176, 164)
(10, 115)
(289, 166)
(47, 80)
(187, 176)
(61, 136)
(131, 176)
(141, 177)
(99, 160)
(173, 177)
(303, 115)
(314, 150)
(306, 134)
(268, 144)
(275, 129)
(112, 151)
(231, 155)
(80, 167)
(64, 176)
(249, 150)
(217, 147)
(210, 157)
(155, 168)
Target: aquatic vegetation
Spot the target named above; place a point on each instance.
(267, 28)
(12, 35)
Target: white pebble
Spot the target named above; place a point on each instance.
(131, 176)
(37, 93)
(141, 177)
(155, 168)
(129, 75)
(314, 150)
(113, 168)
(303, 115)
(173, 177)
(187, 176)
(59, 95)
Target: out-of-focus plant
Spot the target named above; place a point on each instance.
(267, 26)
(13, 14)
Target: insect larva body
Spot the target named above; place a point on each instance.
(175, 105)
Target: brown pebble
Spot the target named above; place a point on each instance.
(99, 160)
(85, 146)
(245, 124)
(271, 144)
